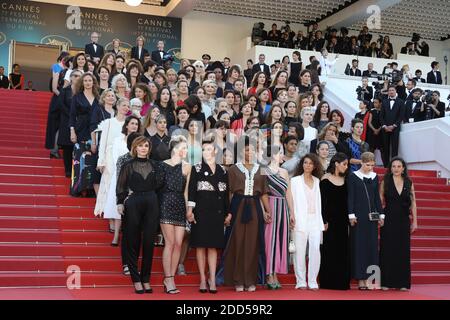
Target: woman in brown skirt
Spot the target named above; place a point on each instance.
(244, 256)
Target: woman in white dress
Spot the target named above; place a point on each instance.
(119, 148)
(309, 223)
(110, 128)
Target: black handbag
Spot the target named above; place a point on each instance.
(373, 215)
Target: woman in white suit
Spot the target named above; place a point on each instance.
(308, 216)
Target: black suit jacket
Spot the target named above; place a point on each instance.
(256, 69)
(370, 74)
(156, 56)
(420, 80)
(413, 112)
(396, 115)
(4, 83)
(356, 73)
(89, 49)
(135, 54)
(432, 79)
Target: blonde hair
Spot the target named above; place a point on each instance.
(367, 157)
(175, 141)
(304, 110)
(103, 96)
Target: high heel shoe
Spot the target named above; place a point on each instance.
(171, 291)
(55, 155)
(202, 290)
(213, 291)
(149, 290)
(113, 244)
(139, 291)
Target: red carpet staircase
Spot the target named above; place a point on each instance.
(43, 230)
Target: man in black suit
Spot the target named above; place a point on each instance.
(434, 76)
(262, 66)
(4, 81)
(206, 58)
(354, 71)
(138, 52)
(410, 86)
(391, 116)
(158, 55)
(418, 76)
(226, 65)
(93, 49)
(370, 73)
(413, 107)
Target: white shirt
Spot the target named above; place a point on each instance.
(95, 47)
(310, 134)
(327, 65)
(139, 52)
(161, 54)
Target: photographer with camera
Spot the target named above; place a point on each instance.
(391, 117)
(274, 34)
(413, 107)
(432, 107)
(365, 92)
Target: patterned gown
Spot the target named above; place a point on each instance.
(277, 232)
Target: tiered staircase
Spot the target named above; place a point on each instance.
(43, 230)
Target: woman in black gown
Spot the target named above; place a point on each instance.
(64, 103)
(295, 68)
(84, 102)
(397, 193)
(136, 188)
(364, 198)
(335, 265)
(208, 209)
(373, 136)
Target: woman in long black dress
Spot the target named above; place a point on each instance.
(295, 67)
(64, 103)
(208, 209)
(335, 265)
(397, 192)
(373, 136)
(136, 188)
(364, 198)
(83, 103)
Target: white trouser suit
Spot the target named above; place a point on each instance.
(308, 228)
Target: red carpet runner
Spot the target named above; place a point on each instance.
(43, 230)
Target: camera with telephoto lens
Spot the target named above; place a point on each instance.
(428, 97)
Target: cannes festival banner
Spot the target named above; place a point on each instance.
(71, 26)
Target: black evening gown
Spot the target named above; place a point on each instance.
(374, 141)
(209, 192)
(335, 265)
(364, 235)
(395, 243)
(296, 68)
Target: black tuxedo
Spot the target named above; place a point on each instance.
(352, 73)
(412, 110)
(156, 57)
(135, 54)
(434, 79)
(420, 80)
(388, 117)
(4, 82)
(256, 68)
(89, 49)
(370, 74)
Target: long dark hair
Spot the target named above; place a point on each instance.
(317, 172)
(127, 121)
(388, 175)
(170, 103)
(318, 114)
(339, 158)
